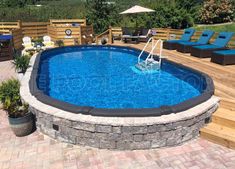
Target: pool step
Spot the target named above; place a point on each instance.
(151, 65)
(219, 134)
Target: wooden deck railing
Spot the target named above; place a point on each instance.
(106, 35)
(56, 29)
(166, 34)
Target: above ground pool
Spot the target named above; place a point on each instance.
(103, 81)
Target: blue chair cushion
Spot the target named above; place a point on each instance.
(226, 52)
(223, 39)
(188, 33)
(5, 37)
(205, 37)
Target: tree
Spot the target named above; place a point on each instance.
(217, 11)
(102, 14)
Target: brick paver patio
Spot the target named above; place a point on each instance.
(38, 151)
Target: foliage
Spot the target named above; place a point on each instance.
(217, 11)
(10, 98)
(218, 28)
(166, 16)
(59, 43)
(21, 63)
(101, 14)
(38, 40)
(105, 13)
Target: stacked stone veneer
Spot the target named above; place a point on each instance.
(122, 137)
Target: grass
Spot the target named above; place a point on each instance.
(219, 28)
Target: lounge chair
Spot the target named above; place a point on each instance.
(47, 42)
(223, 57)
(205, 51)
(144, 35)
(185, 47)
(28, 44)
(126, 34)
(172, 44)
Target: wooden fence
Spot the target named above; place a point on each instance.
(6, 27)
(58, 33)
(166, 34)
(54, 28)
(17, 38)
(34, 29)
(67, 22)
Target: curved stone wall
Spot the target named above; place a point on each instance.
(121, 137)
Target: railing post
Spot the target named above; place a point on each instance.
(168, 34)
(19, 24)
(110, 36)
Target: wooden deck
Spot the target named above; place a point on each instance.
(222, 128)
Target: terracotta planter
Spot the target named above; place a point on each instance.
(22, 126)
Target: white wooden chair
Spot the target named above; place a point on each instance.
(47, 42)
(28, 44)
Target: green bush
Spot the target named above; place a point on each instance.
(10, 98)
(21, 63)
(59, 43)
(217, 11)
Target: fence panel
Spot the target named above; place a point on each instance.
(34, 29)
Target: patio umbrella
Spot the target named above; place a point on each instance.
(136, 9)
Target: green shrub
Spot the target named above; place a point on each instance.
(38, 40)
(59, 43)
(10, 98)
(21, 63)
(217, 11)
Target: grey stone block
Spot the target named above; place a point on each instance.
(107, 144)
(127, 137)
(135, 129)
(103, 129)
(158, 143)
(138, 137)
(84, 126)
(152, 136)
(101, 135)
(152, 129)
(140, 145)
(117, 129)
(123, 145)
(173, 141)
(114, 136)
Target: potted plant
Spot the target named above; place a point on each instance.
(20, 119)
(103, 41)
(59, 43)
(21, 64)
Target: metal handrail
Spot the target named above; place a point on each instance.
(153, 48)
(144, 49)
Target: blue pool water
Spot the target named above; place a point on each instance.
(105, 77)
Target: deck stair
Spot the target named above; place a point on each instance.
(222, 128)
